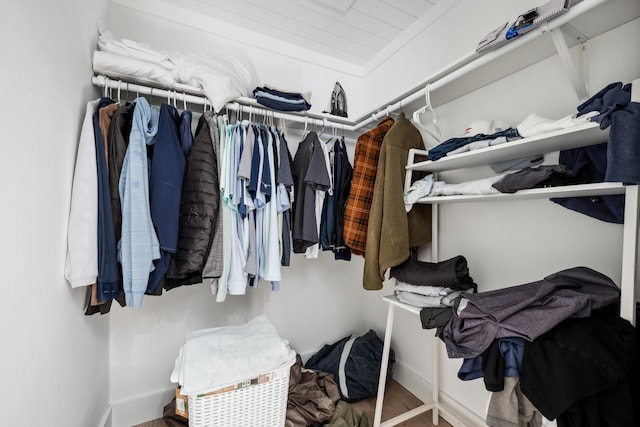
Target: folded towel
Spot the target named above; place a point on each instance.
(214, 358)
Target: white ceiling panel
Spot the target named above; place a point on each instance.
(380, 11)
(354, 31)
(354, 19)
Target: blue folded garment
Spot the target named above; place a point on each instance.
(282, 101)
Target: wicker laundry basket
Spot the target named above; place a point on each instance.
(254, 402)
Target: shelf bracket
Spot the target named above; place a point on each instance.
(565, 56)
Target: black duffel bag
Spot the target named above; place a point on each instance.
(355, 363)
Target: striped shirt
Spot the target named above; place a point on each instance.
(365, 166)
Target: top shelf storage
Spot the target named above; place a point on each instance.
(578, 136)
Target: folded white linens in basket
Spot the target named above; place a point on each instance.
(217, 357)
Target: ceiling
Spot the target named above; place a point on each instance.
(354, 31)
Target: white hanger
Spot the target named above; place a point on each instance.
(428, 107)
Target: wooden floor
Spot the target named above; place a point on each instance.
(397, 400)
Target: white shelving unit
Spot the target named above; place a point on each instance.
(578, 136)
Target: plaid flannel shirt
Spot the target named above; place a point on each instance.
(365, 166)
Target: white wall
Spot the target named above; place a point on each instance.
(55, 360)
(505, 243)
(320, 301)
(437, 45)
(71, 366)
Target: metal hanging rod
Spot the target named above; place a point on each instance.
(193, 95)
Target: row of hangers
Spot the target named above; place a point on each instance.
(269, 117)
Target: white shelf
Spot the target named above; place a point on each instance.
(578, 136)
(598, 189)
(392, 299)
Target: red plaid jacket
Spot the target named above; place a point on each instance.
(365, 166)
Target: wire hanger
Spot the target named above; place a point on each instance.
(435, 134)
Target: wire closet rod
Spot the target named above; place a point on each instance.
(180, 94)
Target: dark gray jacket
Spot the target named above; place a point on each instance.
(525, 311)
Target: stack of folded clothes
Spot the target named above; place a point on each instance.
(282, 100)
(426, 284)
(432, 287)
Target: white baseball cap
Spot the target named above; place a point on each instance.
(486, 127)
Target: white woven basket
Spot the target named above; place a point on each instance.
(255, 402)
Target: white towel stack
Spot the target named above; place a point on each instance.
(215, 358)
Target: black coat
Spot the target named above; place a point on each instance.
(199, 205)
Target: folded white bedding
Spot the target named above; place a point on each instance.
(217, 357)
(116, 66)
(130, 49)
(222, 76)
(217, 77)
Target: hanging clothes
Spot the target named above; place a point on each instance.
(309, 173)
(198, 211)
(100, 302)
(168, 162)
(392, 232)
(365, 166)
(233, 192)
(270, 264)
(213, 266)
(116, 140)
(81, 263)
(108, 273)
(321, 194)
(220, 286)
(138, 243)
(284, 193)
(331, 227)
